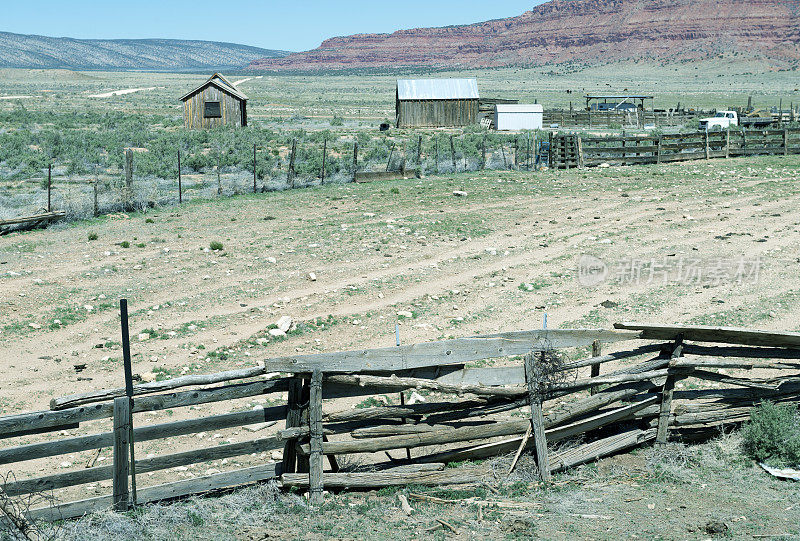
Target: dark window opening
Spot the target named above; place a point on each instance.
(212, 110)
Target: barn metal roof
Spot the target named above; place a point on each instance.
(437, 89)
(220, 82)
(519, 108)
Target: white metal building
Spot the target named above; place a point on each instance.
(518, 117)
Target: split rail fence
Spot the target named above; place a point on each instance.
(467, 413)
(570, 150)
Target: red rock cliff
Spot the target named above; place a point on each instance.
(573, 30)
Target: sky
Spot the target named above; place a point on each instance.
(293, 25)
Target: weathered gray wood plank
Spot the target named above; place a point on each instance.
(725, 335)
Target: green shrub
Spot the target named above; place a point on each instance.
(773, 434)
(149, 221)
(395, 190)
(125, 244)
(92, 235)
(216, 245)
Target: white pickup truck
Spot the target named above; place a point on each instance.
(721, 121)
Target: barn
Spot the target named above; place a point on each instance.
(436, 103)
(214, 103)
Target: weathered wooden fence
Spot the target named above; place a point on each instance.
(467, 413)
(648, 149)
(564, 118)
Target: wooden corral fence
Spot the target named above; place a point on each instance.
(646, 149)
(608, 119)
(466, 415)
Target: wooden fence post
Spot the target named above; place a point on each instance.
(658, 149)
(744, 141)
(391, 152)
(419, 155)
(49, 186)
(294, 408)
(537, 419)
(580, 152)
(122, 418)
(453, 154)
(94, 200)
(728, 142)
(483, 153)
(290, 174)
(254, 168)
(324, 155)
(436, 146)
(708, 150)
(180, 187)
(785, 141)
(315, 428)
(665, 411)
(128, 177)
(355, 159)
(597, 350)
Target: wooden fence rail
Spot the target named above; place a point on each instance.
(635, 403)
(573, 151)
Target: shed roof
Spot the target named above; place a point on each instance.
(437, 89)
(519, 108)
(220, 82)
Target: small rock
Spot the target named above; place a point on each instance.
(212, 471)
(272, 260)
(276, 332)
(34, 326)
(148, 377)
(276, 455)
(405, 314)
(312, 276)
(459, 193)
(285, 323)
(415, 398)
(609, 304)
(143, 337)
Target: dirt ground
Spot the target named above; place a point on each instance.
(496, 259)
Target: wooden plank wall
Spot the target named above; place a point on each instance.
(230, 107)
(436, 113)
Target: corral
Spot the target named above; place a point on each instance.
(497, 257)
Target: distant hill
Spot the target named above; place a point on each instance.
(29, 51)
(590, 31)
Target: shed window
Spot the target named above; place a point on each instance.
(212, 110)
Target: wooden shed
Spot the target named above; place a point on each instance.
(214, 103)
(436, 102)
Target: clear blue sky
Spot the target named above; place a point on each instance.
(295, 25)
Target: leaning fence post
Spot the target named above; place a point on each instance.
(537, 419)
(122, 417)
(665, 410)
(315, 469)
